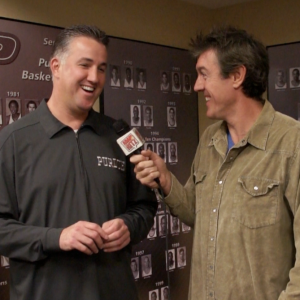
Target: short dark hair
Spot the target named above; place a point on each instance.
(66, 35)
(234, 48)
(13, 101)
(31, 102)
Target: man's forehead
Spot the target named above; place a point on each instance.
(207, 57)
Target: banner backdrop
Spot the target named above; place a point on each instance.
(284, 78)
(150, 87)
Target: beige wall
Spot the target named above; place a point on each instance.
(272, 21)
(166, 22)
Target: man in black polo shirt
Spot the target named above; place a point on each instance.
(70, 206)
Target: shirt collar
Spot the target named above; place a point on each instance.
(258, 133)
(52, 125)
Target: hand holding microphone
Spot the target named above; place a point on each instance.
(150, 168)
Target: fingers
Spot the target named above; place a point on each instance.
(118, 235)
(145, 168)
(83, 236)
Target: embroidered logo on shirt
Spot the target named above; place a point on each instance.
(111, 163)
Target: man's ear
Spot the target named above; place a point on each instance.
(238, 76)
(54, 66)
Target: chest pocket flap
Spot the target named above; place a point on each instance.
(256, 201)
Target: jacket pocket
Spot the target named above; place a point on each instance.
(256, 201)
(199, 179)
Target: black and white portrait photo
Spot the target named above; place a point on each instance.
(128, 77)
(163, 225)
(13, 110)
(181, 257)
(115, 80)
(170, 259)
(175, 226)
(135, 267)
(31, 105)
(176, 85)
(152, 233)
(141, 79)
(164, 293)
(187, 88)
(294, 77)
(165, 81)
(135, 113)
(172, 148)
(146, 265)
(148, 116)
(149, 146)
(153, 295)
(280, 80)
(161, 150)
(171, 115)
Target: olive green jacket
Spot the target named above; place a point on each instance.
(243, 207)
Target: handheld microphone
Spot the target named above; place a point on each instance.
(131, 142)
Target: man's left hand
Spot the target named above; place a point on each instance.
(118, 235)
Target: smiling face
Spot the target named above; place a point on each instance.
(13, 107)
(79, 75)
(218, 91)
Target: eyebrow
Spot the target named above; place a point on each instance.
(91, 60)
(200, 69)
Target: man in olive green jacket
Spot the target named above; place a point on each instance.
(242, 197)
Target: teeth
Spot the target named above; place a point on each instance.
(88, 88)
(207, 99)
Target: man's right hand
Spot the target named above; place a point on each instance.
(148, 166)
(83, 236)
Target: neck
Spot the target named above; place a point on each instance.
(65, 114)
(243, 117)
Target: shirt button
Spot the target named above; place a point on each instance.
(220, 182)
(256, 188)
(211, 267)
(211, 238)
(210, 294)
(214, 210)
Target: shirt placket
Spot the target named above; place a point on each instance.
(214, 219)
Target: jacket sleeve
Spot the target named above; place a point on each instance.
(182, 199)
(292, 195)
(140, 209)
(17, 240)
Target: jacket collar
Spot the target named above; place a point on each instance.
(258, 133)
(52, 125)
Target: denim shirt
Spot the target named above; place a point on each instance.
(243, 206)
